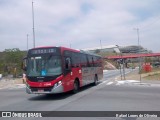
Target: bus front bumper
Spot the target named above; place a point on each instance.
(53, 90)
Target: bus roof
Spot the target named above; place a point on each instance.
(65, 48)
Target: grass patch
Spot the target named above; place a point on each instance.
(153, 76)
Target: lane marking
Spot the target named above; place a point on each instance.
(103, 82)
(109, 83)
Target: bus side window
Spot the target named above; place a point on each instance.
(24, 64)
(67, 63)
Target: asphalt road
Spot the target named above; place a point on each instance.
(103, 97)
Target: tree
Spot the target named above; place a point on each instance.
(97, 51)
(13, 59)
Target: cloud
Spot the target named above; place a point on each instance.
(79, 23)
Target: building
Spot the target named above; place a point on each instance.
(110, 48)
(133, 49)
(118, 49)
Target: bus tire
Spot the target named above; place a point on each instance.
(95, 80)
(76, 86)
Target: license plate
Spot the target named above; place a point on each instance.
(40, 90)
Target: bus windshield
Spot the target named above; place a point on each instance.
(44, 65)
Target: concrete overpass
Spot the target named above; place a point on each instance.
(132, 56)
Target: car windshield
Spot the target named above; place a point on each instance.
(44, 65)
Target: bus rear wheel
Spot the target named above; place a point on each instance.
(76, 86)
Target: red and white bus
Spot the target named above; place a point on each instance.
(52, 70)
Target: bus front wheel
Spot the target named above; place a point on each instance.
(76, 86)
(95, 80)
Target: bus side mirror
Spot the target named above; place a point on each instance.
(24, 64)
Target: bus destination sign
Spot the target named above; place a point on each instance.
(43, 51)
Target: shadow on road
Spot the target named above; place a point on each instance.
(46, 97)
(43, 97)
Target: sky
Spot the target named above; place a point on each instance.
(80, 24)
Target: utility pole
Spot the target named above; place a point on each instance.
(34, 44)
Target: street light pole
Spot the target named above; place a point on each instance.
(120, 69)
(101, 46)
(27, 42)
(137, 29)
(33, 25)
(124, 69)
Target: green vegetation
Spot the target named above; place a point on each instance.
(10, 62)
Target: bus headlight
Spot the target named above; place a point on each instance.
(57, 84)
(60, 82)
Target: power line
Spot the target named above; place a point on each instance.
(153, 22)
